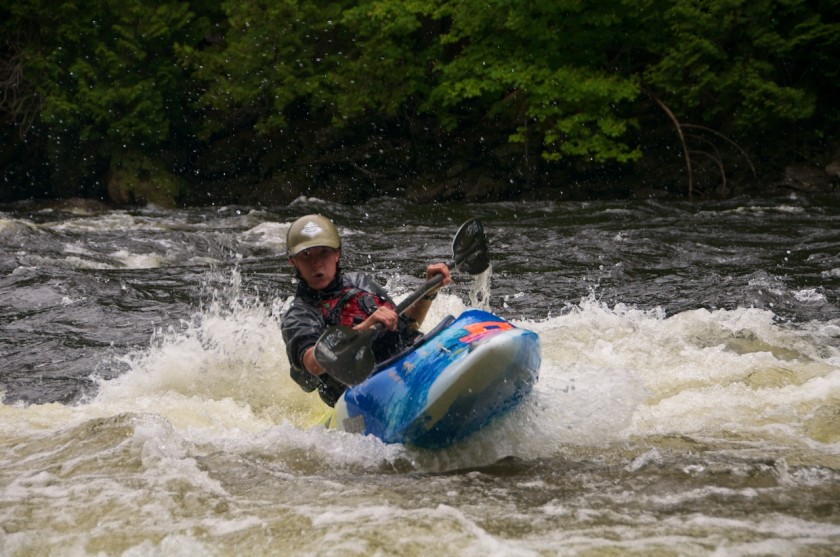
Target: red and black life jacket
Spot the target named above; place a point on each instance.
(351, 307)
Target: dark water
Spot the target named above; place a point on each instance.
(689, 400)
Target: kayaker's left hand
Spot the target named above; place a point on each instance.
(439, 269)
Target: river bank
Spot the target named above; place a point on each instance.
(463, 183)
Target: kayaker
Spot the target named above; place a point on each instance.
(327, 296)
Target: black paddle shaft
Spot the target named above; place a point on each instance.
(347, 354)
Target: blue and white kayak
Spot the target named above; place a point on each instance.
(451, 383)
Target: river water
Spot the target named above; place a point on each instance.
(688, 402)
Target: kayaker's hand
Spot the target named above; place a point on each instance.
(438, 269)
(310, 363)
(386, 316)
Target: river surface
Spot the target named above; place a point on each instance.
(688, 400)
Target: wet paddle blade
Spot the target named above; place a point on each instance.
(346, 354)
(469, 248)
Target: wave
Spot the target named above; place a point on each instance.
(610, 375)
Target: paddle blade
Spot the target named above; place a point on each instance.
(469, 248)
(346, 354)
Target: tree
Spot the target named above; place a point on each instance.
(295, 92)
(97, 81)
(738, 71)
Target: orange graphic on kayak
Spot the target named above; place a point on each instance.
(478, 331)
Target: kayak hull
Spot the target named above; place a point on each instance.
(457, 379)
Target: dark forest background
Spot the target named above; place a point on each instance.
(131, 101)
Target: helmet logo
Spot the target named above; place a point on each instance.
(311, 229)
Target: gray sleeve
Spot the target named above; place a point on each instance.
(302, 326)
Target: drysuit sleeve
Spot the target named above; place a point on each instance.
(302, 327)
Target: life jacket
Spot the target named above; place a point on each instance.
(351, 307)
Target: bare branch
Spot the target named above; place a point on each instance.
(678, 127)
(15, 102)
(714, 156)
(720, 135)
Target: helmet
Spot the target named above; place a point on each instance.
(309, 232)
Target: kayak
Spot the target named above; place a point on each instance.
(452, 382)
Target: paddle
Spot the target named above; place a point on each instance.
(347, 354)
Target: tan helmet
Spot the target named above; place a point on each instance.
(309, 232)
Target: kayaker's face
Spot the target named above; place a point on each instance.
(317, 266)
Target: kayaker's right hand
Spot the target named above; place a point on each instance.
(384, 315)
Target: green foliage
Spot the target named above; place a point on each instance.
(272, 54)
(544, 65)
(737, 64)
(561, 78)
(386, 64)
(340, 60)
(104, 70)
(100, 78)
(136, 178)
(380, 57)
(513, 62)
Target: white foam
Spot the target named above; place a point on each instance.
(227, 355)
(809, 295)
(609, 374)
(137, 260)
(112, 220)
(204, 441)
(9, 227)
(268, 235)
